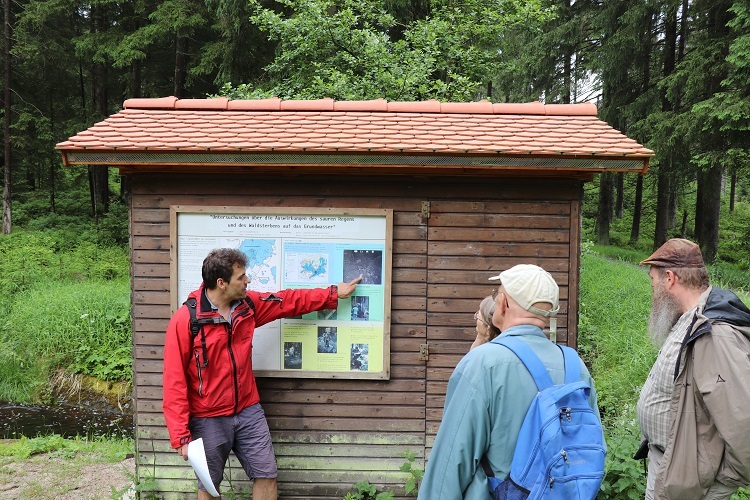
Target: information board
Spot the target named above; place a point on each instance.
(300, 248)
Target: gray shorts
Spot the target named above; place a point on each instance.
(246, 434)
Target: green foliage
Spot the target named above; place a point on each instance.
(84, 328)
(346, 50)
(612, 339)
(615, 301)
(624, 477)
(735, 234)
(106, 449)
(415, 473)
(367, 491)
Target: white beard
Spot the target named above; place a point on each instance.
(665, 311)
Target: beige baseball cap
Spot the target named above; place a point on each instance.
(527, 285)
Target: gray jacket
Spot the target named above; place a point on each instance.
(709, 439)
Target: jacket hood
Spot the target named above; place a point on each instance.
(723, 305)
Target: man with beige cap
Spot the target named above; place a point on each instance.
(694, 407)
(491, 390)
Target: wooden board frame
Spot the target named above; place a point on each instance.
(295, 213)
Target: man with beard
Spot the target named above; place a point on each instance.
(694, 407)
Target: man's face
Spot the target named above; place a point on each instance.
(235, 289)
(665, 309)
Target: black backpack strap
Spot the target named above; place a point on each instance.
(196, 326)
(250, 303)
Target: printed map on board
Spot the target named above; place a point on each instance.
(262, 263)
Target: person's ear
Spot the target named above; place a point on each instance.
(671, 278)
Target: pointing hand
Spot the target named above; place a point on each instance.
(346, 289)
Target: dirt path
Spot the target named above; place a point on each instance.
(54, 476)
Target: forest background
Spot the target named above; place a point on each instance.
(672, 74)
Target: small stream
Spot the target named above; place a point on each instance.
(18, 420)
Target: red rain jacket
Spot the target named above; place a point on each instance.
(226, 385)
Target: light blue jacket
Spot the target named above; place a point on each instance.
(488, 395)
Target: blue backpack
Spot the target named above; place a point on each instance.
(560, 450)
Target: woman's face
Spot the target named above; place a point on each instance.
(482, 327)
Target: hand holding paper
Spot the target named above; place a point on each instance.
(197, 457)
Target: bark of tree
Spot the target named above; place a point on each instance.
(710, 200)
(635, 229)
(662, 206)
(8, 167)
(711, 206)
(567, 63)
(52, 159)
(604, 216)
(99, 174)
(619, 194)
(665, 168)
(699, 187)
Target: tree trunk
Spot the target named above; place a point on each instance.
(699, 199)
(662, 207)
(604, 216)
(99, 175)
(732, 190)
(672, 206)
(619, 194)
(635, 230)
(92, 192)
(683, 227)
(661, 229)
(7, 177)
(712, 205)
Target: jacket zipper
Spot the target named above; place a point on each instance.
(234, 367)
(200, 374)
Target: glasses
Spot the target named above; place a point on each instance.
(477, 317)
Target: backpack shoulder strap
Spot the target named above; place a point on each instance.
(195, 327)
(250, 303)
(572, 364)
(532, 362)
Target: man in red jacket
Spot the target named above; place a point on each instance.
(209, 387)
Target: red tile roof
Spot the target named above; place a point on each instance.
(375, 127)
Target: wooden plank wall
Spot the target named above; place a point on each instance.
(330, 434)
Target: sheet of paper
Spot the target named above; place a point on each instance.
(197, 459)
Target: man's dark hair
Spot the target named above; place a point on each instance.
(219, 263)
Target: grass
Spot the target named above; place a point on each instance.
(86, 329)
(615, 301)
(94, 450)
(66, 304)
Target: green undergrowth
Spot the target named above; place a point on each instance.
(105, 450)
(80, 328)
(615, 300)
(66, 305)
